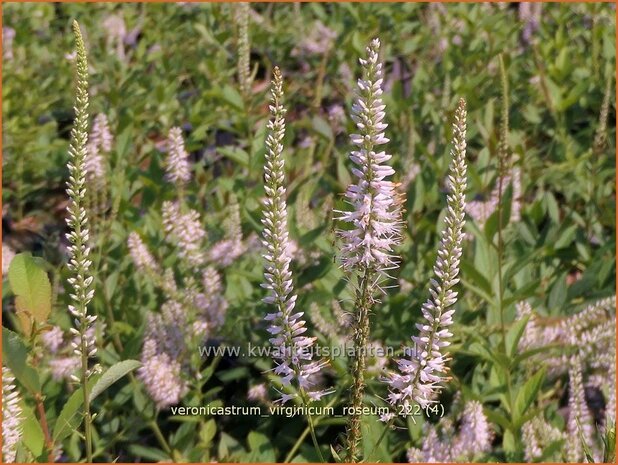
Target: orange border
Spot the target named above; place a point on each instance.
(305, 1)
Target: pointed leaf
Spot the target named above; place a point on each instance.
(527, 395)
(15, 355)
(32, 290)
(112, 375)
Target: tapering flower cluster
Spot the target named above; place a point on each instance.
(116, 31)
(600, 135)
(142, 258)
(318, 42)
(99, 144)
(186, 231)
(586, 339)
(177, 167)
(421, 374)
(244, 48)
(53, 339)
(64, 367)
(375, 218)
(537, 436)
(164, 343)
(161, 376)
(77, 220)
(11, 417)
(292, 355)
(580, 424)
(475, 434)
(590, 334)
(473, 438)
(610, 405)
(258, 393)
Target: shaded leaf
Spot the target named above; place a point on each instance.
(112, 375)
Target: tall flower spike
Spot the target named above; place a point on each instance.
(177, 167)
(244, 49)
(375, 218)
(11, 417)
(421, 374)
(537, 435)
(580, 423)
(184, 229)
(142, 258)
(79, 263)
(600, 135)
(292, 350)
(367, 250)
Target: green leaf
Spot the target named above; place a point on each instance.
(498, 418)
(32, 290)
(530, 353)
(526, 395)
(235, 154)
(322, 128)
(609, 442)
(514, 335)
(15, 355)
(373, 429)
(112, 375)
(476, 277)
(336, 456)
(508, 441)
(261, 450)
(315, 272)
(149, 453)
(32, 434)
(71, 414)
(232, 96)
(558, 294)
(207, 432)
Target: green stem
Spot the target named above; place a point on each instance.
(314, 438)
(499, 252)
(304, 434)
(361, 333)
(87, 414)
(296, 445)
(159, 435)
(501, 289)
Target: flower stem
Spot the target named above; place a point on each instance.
(361, 333)
(159, 435)
(314, 438)
(49, 443)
